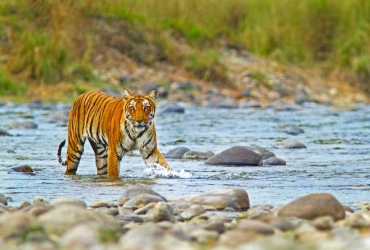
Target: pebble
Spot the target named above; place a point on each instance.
(274, 161)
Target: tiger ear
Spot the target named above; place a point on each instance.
(153, 94)
(126, 94)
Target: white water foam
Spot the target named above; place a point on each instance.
(155, 170)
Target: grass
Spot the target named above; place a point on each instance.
(49, 41)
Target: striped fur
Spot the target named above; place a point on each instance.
(114, 127)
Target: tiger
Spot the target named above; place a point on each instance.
(114, 126)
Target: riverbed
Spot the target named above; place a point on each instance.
(336, 159)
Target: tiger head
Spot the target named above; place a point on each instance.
(139, 110)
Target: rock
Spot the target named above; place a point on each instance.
(14, 224)
(290, 144)
(61, 219)
(203, 236)
(145, 208)
(192, 211)
(292, 130)
(323, 223)
(228, 103)
(358, 220)
(68, 201)
(107, 204)
(144, 199)
(3, 208)
(162, 212)
(274, 161)
(177, 153)
(170, 109)
(136, 190)
(236, 198)
(3, 199)
(259, 211)
(4, 132)
(255, 227)
(21, 169)
(280, 105)
(312, 206)
(61, 116)
(237, 156)
(196, 155)
(250, 105)
(147, 236)
(23, 125)
(82, 237)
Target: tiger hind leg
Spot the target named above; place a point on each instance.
(101, 157)
(74, 153)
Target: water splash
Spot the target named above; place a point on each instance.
(155, 170)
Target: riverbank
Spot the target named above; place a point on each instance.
(218, 219)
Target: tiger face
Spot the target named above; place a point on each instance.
(140, 110)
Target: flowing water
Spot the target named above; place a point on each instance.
(336, 159)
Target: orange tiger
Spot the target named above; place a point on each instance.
(114, 127)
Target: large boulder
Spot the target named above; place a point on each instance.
(312, 206)
(237, 156)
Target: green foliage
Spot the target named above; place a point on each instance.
(207, 65)
(9, 87)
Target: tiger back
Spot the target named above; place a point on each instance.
(114, 127)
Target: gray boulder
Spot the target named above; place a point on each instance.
(237, 156)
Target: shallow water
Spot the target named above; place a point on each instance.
(336, 159)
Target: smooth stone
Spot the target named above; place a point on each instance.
(192, 211)
(144, 199)
(81, 237)
(274, 161)
(40, 200)
(323, 223)
(14, 224)
(358, 220)
(3, 208)
(259, 211)
(3, 199)
(23, 125)
(255, 226)
(196, 155)
(145, 208)
(61, 219)
(4, 132)
(236, 198)
(112, 211)
(203, 236)
(290, 144)
(281, 105)
(177, 153)
(68, 201)
(21, 169)
(170, 109)
(162, 212)
(107, 204)
(312, 206)
(136, 190)
(237, 156)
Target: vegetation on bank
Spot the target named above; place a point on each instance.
(51, 41)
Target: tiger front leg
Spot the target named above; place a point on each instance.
(154, 156)
(113, 163)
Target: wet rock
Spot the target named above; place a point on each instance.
(237, 156)
(14, 224)
(255, 227)
(281, 105)
(170, 109)
(192, 212)
(4, 132)
(21, 169)
(290, 144)
(107, 204)
(312, 206)
(3, 199)
(162, 212)
(259, 211)
(236, 198)
(196, 155)
(177, 153)
(292, 130)
(9, 151)
(144, 199)
(136, 190)
(23, 125)
(61, 219)
(274, 161)
(68, 201)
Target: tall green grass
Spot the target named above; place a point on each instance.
(331, 34)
